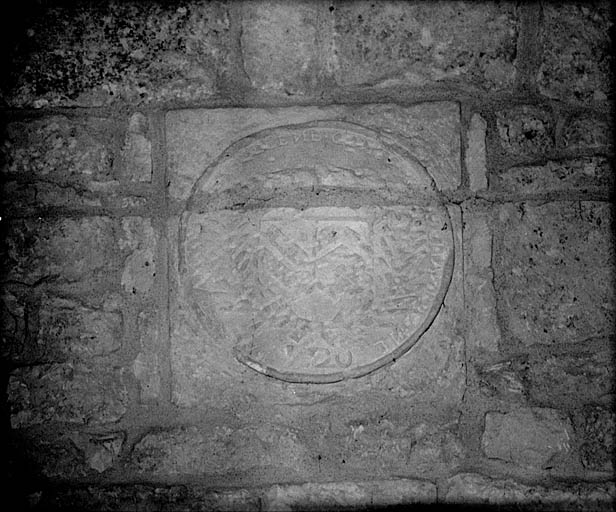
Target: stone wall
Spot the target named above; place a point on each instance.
(123, 257)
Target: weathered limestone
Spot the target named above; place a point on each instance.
(140, 265)
(37, 250)
(428, 131)
(588, 132)
(128, 51)
(595, 427)
(67, 392)
(137, 150)
(473, 489)
(555, 272)
(576, 63)
(280, 45)
(525, 131)
(476, 164)
(584, 175)
(538, 438)
(422, 43)
(483, 329)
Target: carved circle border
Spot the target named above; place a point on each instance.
(359, 371)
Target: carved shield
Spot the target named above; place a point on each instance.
(319, 251)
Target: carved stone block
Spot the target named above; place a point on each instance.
(343, 273)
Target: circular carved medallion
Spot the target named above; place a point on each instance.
(320, 251)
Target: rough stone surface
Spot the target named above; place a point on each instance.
(144, 498)
(66, 250)
(137, 150)
(424, 43)
(261, 453)
(577, 51)
(351, 495)
(58, 161)
(564, 380)
(501, 380)
(133, 51)
(588, 132)
(280, 45)
(582, 175)
(59, 148)
(49, 329)
(555, 272)
(595, 430)
(538, 438)
(140, 264)
(524, 130)
(473, 489)
(483, 329)
(310, 496)
(68, 392)
(51, 456)
(476, 164)
(101, 451)
(146, 364)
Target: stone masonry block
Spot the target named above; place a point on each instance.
(137, 150)
(476, 158)
(59, 161)
(92, 55)
(268, 453)
(537, 438)
(70, 455)
(582, 175)
(484, 331)
(146, 365)
(68, 392)
(53, 329)
(588, 132)
(59, 148)
(473, 489)
(196, 138)
(355, 495)
(577, 57)
(138, 237)
(423, 43)
(595, 427)
(280, 45)
(151, 497)
(585, 376)
(525, 131)
(64, 250)
(555, 272)
(431, 131)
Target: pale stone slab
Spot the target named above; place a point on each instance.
(137, 150)
(474, 489)
(196, 138)
(430, 131)
(483, 329)
(476, 160)
(532, 437)
(378, 493)
(280, 45)
(140, 264)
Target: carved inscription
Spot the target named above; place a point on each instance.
(321, 293)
